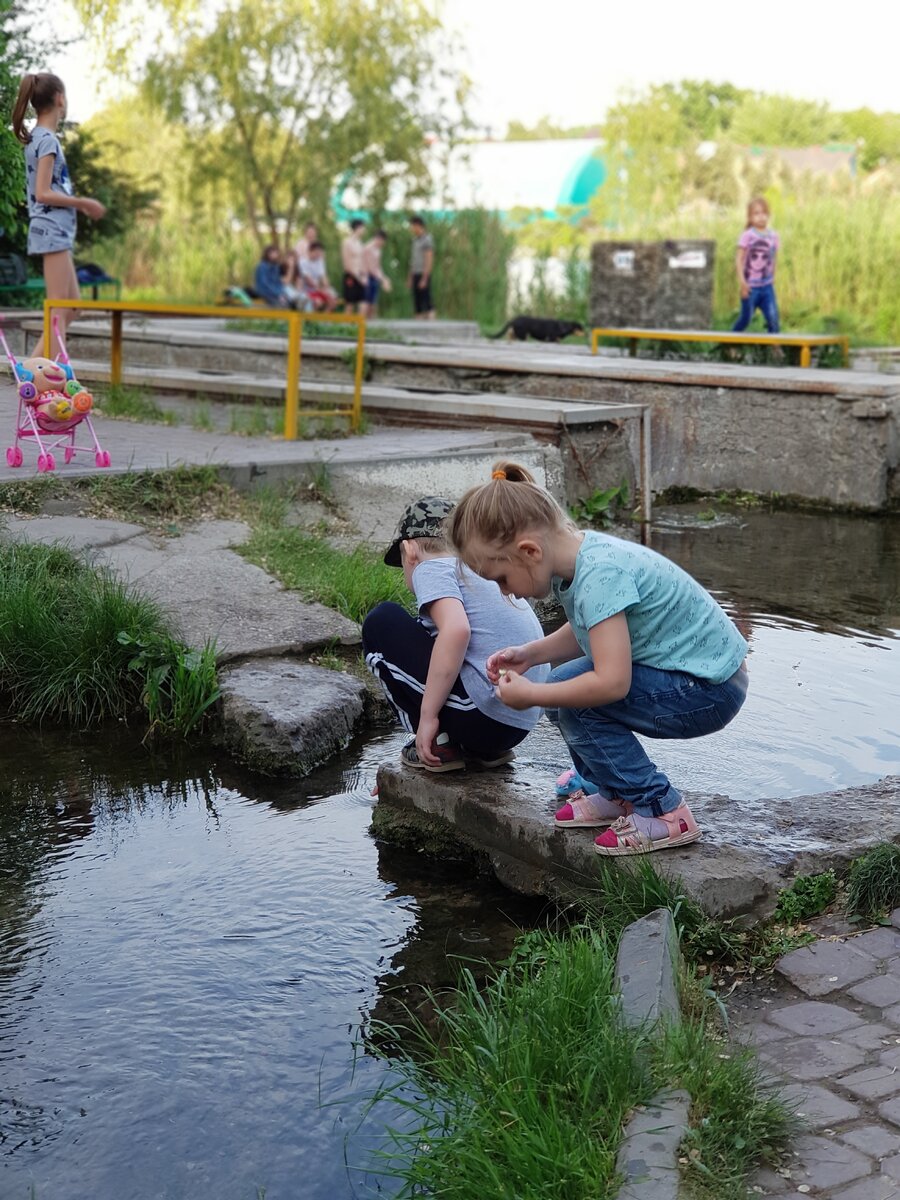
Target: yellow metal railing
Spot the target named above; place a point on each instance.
(804, 340)
(295, 321)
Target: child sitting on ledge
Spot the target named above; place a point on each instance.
(433, 667)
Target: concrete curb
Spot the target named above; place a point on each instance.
(647, 978)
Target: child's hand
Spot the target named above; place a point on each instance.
(428, 730)
(515, 690)
(745, 290)
(513, 658)
(92, 208)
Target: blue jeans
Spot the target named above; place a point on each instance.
(762, 298)
(659, 704)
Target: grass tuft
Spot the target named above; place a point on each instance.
(521, 1088)
(128, 403)
(873, 883)
(351, 583)
(67, 639)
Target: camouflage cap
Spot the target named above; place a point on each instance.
(422, 519)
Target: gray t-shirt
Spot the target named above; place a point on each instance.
(420, 244)
(496, 621)
(50, 228)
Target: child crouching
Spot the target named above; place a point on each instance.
(433, 667)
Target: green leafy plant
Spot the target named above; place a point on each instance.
(179, 684)
(873, 882)
(600, 507)
(806, 897)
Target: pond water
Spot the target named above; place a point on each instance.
(188, 954)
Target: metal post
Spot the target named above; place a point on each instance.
(115, 353)
(646, 475)
(845, 346)
(48, 318)
(805, 355)
(292, 388)
(358, 376)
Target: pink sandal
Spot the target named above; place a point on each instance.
(590, 812)
(636, 834)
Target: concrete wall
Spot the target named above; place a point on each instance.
(653, 285)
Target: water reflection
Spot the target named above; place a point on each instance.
(186, 958)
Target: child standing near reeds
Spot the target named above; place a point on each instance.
(645, 650)
(755, 261)
(53, 206)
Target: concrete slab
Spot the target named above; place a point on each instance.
(287, 718)
(745, 857)
(647, 970)
(648, 1156)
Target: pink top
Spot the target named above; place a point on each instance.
(759, 263)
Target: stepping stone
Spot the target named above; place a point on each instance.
(825, 967)
(815, 1018)
(826, 1163)
(813, 1058)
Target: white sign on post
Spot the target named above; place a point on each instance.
(623, 260)
(692, 260)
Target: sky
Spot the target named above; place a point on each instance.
(568, 59)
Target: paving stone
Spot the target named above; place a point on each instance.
(882, 991)
(873, 1036)
(759, 1035)
(825, 1162)
(815, 1017)
(825, 967)
(874, 1140)
(891, 1168)
(878, 1187)
(895, 918)
(872, 1083)
(890, 1057)
(883, 942)
(770, 1181)
(818, 1107)
(812, 1058)
(890, 1110)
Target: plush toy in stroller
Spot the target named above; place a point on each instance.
(52, 405)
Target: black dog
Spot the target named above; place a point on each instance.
(542, 329)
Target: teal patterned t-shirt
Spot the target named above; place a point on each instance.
(674, 623)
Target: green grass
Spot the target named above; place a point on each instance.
(68, 635)
(873, 882)
(127, 403)
(522, 1087)
(353, 583)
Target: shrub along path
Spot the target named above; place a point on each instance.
(833, 1029)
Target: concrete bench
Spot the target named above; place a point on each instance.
(719, 336)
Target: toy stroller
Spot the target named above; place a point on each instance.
(52, 406)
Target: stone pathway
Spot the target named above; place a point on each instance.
(834, 1034)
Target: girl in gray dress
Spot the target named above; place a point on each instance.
(53, 206)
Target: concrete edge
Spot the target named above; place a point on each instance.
(647, 967)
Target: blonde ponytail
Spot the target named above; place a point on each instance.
(496, 513)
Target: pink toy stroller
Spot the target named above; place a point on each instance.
(52, 417)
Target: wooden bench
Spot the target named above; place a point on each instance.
(721, 336)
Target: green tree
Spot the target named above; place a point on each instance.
(770, 120)
(125, 199)
(285, 98)
(15, 56)
(876, 134)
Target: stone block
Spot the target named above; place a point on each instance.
(882, 991)
(281, 717)
(872, 1083)
(877, 1188)
(890, 1110)
(891, 1168)
(825, 1163)
(818, 1107)
(874, 1140)
(815, 1018)
(646, 970)
(872, 1036)
(825, 967)
(759, 1035)
(648, 1156)
(813, 1058)
(652, 284)
(883, 942)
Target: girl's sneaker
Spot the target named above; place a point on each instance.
(590, 812)
(570, 781)
(442, 748)
(636, 834)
